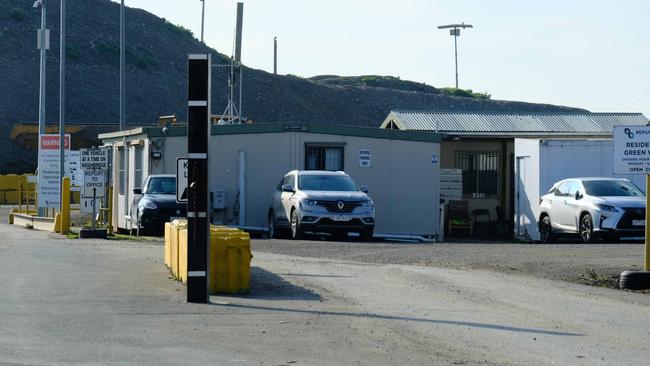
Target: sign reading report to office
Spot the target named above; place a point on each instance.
(632, 150)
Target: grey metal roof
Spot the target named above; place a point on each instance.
(474, 123)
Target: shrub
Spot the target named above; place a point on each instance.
(18, 14)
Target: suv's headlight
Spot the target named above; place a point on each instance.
(308, 204)
(368, 203)
(150, 205)
(605, 207)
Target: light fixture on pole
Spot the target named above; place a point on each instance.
(454, 30)
(202, 18)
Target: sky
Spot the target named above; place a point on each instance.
(587, 54)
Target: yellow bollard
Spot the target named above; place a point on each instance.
(65, 206)
(110, 210)
(20, 197)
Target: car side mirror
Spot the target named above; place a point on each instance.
(578, 195)
(364, 189)
(287, 188)
(137, 190)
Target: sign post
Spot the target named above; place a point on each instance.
(632, 156)
(198, 132)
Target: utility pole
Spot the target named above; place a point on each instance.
(275, 55)
(43, 37)
(454, 30)
(62, 105)
(202, 19)
(122, 70)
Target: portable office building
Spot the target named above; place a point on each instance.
(246, 162)
(483, 148)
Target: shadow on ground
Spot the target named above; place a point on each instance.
(266, 285)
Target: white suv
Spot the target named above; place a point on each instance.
(319, 201)
(592, 208)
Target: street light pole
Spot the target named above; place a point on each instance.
(454, 30)
(42, 96)
(62, 105)
(122, 70)
(202, 19)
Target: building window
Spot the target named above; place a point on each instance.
(121, 158)
(139, 152)
(480, 173)
(324, 156)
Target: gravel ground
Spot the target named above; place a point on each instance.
(595, 264)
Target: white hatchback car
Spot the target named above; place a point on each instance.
(593, 208)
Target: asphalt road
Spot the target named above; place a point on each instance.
(111, 302)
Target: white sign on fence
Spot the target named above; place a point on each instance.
(94, 183)
(86, 205)
(181, 180)
(632, 150)
(48, 170)
(92, 159)
(72, 163)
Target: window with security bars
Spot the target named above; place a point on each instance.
(480, 172)
(323, 157)
(139, 154)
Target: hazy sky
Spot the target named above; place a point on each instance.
(589, 54)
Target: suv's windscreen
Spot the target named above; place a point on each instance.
(326, 183)
(610, 188)
(165, 185)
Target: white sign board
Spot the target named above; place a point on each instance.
(181, 180)
(86, 205)
(632, 150)
(72, 163)
(365, 158)
(48, 169)
(94, 159)
(94, 183)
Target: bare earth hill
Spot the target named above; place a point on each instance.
(156, 78)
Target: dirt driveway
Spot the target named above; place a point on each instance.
(595, 264)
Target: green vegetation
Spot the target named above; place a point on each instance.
(72, 235)
(72, 53)
(108, 49)
(375, 79)
(178, 29)
(18, 14)
(141, 58)
(467, 93)
(295, 76)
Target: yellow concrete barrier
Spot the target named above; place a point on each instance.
(229, 257)
(229, 260)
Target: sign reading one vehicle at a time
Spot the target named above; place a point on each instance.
(94, 159)
(632, 150)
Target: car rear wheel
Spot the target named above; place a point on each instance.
(296, 230)
(546, 230)
(586, 229)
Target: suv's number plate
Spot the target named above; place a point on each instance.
(340, 218)
(638, 222)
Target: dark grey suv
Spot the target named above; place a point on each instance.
(315, 201)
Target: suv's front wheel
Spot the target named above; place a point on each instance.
(296, 230)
